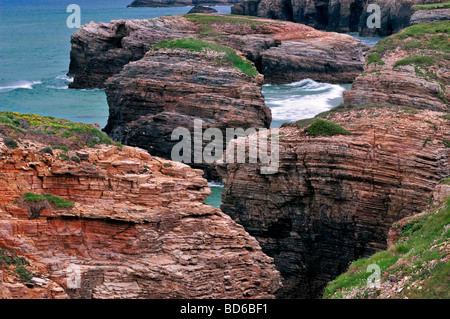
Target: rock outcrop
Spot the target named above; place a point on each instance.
(414, 265)
(429, 16)
(100, 51)
(335, 15)
(181, 3)
(202, 9)
(137, 227)
(170, 88)
(334, 198)
(410, 68)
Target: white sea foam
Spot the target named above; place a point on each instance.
(65, 78)
(215, 184)
(19, 85)
(301, 100)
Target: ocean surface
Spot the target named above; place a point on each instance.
(35, 56)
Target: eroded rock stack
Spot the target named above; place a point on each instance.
(100, 51)
(137, 228)
(336, 15)
(411, 68)
(334, 198)
(170, 88)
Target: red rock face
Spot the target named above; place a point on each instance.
(138, 229)
(334, 198)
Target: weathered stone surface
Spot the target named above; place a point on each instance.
(168, 89)
(334, 198)
(428, 16)
(335, 15)
(202, 9)
(321, 59)
(100, 51)
(413, 71)
(139, 229)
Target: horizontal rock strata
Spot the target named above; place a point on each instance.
(170, 89)
(100, 51)
(138, 229)
(334, 198)
(410, 68)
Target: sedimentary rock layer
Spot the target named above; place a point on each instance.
(100, 51)
(334, 198)
(170, 88)
(411, 68)
(138, 229)
(336, 15)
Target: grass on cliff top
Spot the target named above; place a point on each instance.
(230, 57)
(301, 124)
(424, 36)
(54, 201)
(431, 6)
(325, 128)
(47, 128)
(419, 256)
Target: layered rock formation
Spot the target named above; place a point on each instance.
(411, 68)
(335, 15)
(100, 51)
(170, 88)
(181, 3)
(202, 9)
(334, 198)
(137, 228)
(429, 16)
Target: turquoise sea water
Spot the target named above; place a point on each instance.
(34, 60)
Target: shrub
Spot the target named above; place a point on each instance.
(10, 143)
(326, 128)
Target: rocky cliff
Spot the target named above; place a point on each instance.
(335, 15)
(410, 68)
(338, 189)
(100, 51)
(415, 266)
(181, 3)
(114, 222)
(174, 85)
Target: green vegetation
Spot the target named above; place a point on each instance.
(47, 127)
(426, 141)
(374, 58)
(427, 36)
(419, 255)
(209, 24)
(420, 60)
(346, 107)
(229, 56)
(54, 201)
(431, 6)
(12, 262)
(447, 143)
(325, 128)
